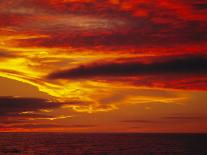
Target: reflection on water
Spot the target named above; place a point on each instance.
(101, 144)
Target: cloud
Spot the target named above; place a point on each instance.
(10, 122)
(105, 33)
(166, 120)
(185, 118)
(140, 121)
(34, 126)
(166, 73)
(186, 65)
(201, 6)
(18, 104)
(51, 35)
(5, 54)
(31, 126)
(31, 108)
(108, 25)
(44, 126)
(26, 113)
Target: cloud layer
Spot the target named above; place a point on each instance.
(92, 56)
(178, 68)
(189, 65)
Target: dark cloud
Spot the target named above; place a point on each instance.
(15, 107)
(159, 73)
(170, 118)
(22, 112)
(176, 66)
(8, 122)
(32, 126)
(21, 116)
(140, 121)
(43, 126)
(81, 126)
(201, 6)
(4, 54)
(185, 118)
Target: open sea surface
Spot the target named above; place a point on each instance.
(102, 144)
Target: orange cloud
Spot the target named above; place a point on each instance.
(100, 52)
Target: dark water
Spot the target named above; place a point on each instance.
(102, 144)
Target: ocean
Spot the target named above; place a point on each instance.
(102, 144)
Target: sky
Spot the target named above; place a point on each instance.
(103, 66)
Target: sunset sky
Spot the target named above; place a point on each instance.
(103, 65)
